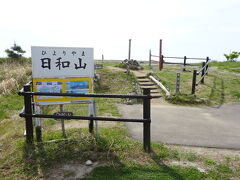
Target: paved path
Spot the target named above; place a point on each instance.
(195, 126)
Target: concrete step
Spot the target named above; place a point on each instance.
(155, 92)
(142, 77)
(146, 84)
(150, 87)
(144, 80)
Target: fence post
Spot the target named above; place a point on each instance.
(203, 72)
(207, 64)
(150, 58)
(28, 110)
(160, 56)
(146, 125)
(194, 81)
(184, 62)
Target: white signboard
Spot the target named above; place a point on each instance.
(62, 62)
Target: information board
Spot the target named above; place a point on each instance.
(62, 70)
(62, 62)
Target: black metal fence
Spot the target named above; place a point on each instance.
(203, 71)
(28, 114)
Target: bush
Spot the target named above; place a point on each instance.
(15, 52)
(232, 56)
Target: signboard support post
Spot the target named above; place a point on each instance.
(96, 122)
(92, 113)
(38, 126)
(62, 122)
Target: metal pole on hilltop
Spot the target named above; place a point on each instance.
(150, 57)
(129, 49)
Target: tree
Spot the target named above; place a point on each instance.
(15, 51)
(232, 56)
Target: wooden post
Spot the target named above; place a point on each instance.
(184, 62)
(160, 56)
(146, 125)
(207, 59)
(129, 50)
(194, 81)
(203, 72)
(150, 58)
(28, 110)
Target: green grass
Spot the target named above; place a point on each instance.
(227, 66)
(114, 145)
(145, 173)
(219, 86)
(9, 104)
(112, 82)
(209, 161)
(124, 157)
(108, 63)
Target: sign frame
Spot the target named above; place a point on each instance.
(64, 89)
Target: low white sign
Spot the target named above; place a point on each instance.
(62, 62)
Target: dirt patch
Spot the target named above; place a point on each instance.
(198, 166)
(115, 68)
(136, 73)
(71, 171)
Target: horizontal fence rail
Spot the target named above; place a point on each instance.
(175, 63)
(28, 114)
(203, 67)
(23, 114)
(184, 63)
(184, 58)
(21, 92)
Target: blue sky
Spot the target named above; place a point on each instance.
(196, 28)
